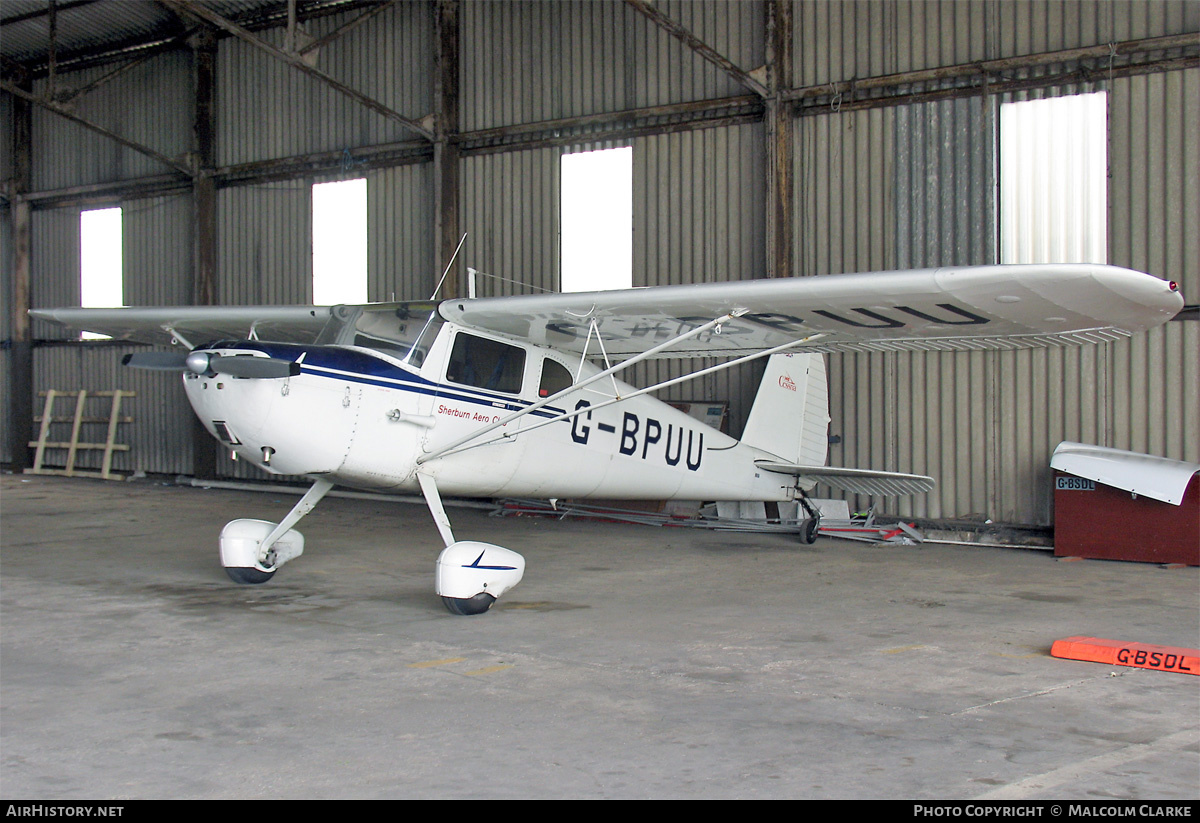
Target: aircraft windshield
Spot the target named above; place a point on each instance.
(404, 330)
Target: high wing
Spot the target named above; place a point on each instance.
(946, 309)
(195, 324)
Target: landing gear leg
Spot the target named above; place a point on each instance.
(251, 550)
(470, 575)
(809, 528)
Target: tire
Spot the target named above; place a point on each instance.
(248, 576)
(466, 606)
(808, 532)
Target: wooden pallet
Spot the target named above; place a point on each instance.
(73, 446)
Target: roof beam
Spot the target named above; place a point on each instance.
(66, 95)
(1115, 58)
(63, 111)
(296, 61)
(346, 27)
(697, 45)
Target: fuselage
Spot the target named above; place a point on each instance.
(368, 412)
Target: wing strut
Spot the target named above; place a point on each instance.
(178, 337)
(611, 370)
(594, 328)
(461, 445)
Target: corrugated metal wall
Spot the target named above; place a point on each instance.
(6, 234)
(509, 214)
(6, 455)
(524, 62)
(986, 424)
(269, 110)
(157, 251)
(264, 245)
(894, 187)
(150, 105)
(1154, 200)
(400, 240)
(699, 217)
(839, 40)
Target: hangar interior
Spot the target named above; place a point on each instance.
(769, 138)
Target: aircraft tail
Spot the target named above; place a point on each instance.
(790, 415)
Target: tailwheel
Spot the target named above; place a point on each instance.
(810, 527)
(808, 532)
(478, 604)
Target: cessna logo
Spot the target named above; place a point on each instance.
(787, 382)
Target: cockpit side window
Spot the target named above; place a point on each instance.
(486, 364)
(555, 378)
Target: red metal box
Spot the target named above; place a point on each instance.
(1098, 521)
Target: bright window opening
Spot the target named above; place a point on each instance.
(100, 263)
(597, 220)
(339, 230)
(1054, 180)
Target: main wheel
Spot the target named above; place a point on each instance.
(478, 604)
(248, 575)
(808, 532)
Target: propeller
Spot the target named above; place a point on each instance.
(156, 360)
(205, 363)
(248, 366)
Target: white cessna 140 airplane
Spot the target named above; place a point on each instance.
(519, 396)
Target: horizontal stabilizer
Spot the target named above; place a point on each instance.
(855, 481)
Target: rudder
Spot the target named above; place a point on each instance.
(790, 415)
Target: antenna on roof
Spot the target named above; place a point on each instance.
(438, 287)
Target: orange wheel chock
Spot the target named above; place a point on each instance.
(1138, 655)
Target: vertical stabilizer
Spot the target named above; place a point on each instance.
(790, 416)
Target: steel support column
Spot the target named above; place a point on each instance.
(204, 214)
(779, 154)
(20, 378)
(445, 142)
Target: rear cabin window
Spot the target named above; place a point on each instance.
(555, 378)
(486, 364)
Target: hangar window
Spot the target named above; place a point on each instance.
(339, 242)
(1054, 180)
(597, 220)
(101, 282)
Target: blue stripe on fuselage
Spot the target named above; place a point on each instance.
(354, 366)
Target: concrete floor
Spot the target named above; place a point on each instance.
(632, 662)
